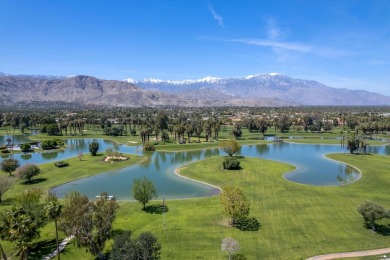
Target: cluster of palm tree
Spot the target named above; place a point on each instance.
(184, 124)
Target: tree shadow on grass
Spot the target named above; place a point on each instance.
(7, 201)
(34, 181)
(156, 209)
(238, 257)
(116, 232)
(381, 229)
(42, 248)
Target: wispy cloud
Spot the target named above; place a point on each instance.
(216, 16)
(276, 44)
(275, 40)
(273, 31)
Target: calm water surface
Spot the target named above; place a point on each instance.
(312, 168)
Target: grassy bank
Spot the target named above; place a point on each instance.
(297, 221)
(51, 176)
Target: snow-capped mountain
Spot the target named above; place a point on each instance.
(271, 85)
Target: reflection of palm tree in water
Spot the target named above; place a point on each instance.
(345, 173)
(340, 172)
(349, 172)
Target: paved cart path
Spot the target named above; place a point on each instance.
(62, 246)
(351, 254)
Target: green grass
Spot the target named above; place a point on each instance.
(51, 176)
(297, 221)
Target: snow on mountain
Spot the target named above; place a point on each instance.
(268, 85)
(207, 79)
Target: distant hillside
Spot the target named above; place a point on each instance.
(298, 91)
(90, 90)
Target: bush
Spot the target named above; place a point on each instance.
(61, 164)
(59, 142)
(5, 151)
(247, 224)
(231, 163)
(25, 147)
(28, 171)
(49, 144)
(149, 147)
(3, 147)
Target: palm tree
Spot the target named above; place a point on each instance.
(53, 211)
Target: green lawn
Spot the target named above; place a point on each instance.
(51, 176)
(297, 221)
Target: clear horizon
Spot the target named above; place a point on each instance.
(342, 44)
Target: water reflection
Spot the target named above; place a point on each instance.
(312, 167)
(26, 156)
(262, 149)
(49, 155)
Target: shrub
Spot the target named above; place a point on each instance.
(59, 142)
(61, 164)
(28, 171)
(3, 147)
(49, 144)
(149, 147)
(231, 163)
(93, 147)
(5, 151)
(247, 224)
(25, 147)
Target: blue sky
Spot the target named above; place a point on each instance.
(341, 43)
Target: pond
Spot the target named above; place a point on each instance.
(312, 168)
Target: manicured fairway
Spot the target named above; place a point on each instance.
(297, 220)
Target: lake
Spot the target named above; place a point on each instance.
(312, 168)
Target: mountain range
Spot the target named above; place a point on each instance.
(273, 85)
(255, 90)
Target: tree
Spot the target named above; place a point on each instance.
(93, 147)
(49, 144)
(146, 246)
(6, 183)
(230, 245)
(143, 190)
(371, 212)
(9, 165)
(149, 245)
(53, 129)
(352, 142)
(236, 132)
(28, 171)
(283, 123)
(53, 211)
(90, 222)
(149, 147)
(25, 147)
(21, 224)
(231, 163)
(164, 136)
(80, 156)
(235, 204)
(229, 146)
(18, 227)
